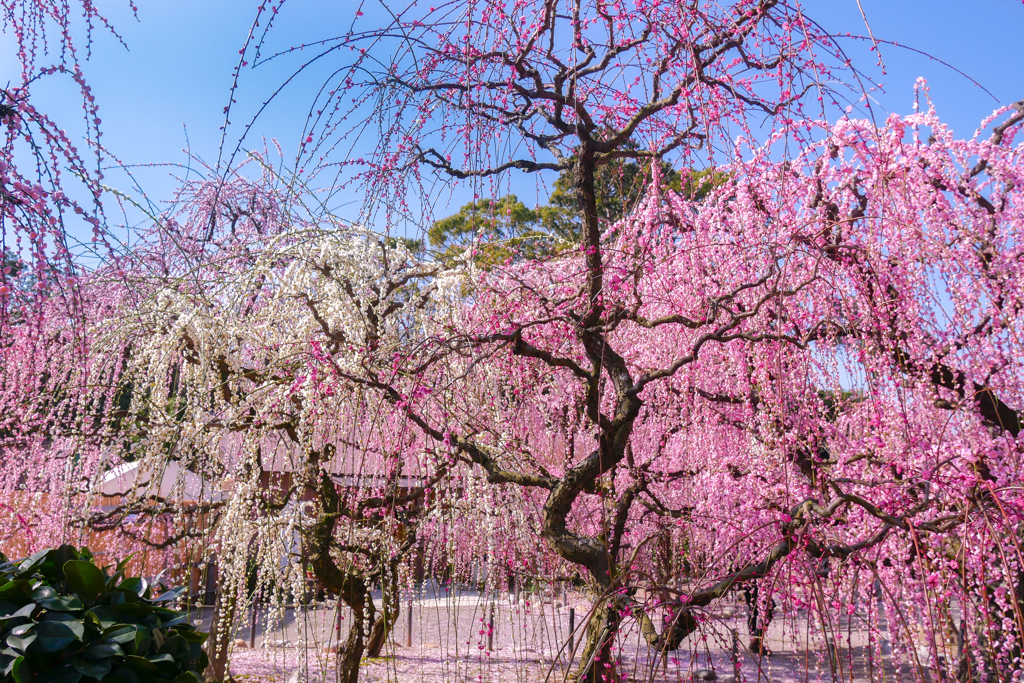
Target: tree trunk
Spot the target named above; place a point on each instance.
(388, 616)
(369, 630)
(597, 661)
(220, 637)
(382, 626)
(349, 658)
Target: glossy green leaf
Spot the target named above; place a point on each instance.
(66, 620)
(132, 610)
(25, 611)
(105, 614)
(43, 593)
(167, 596)
(63, 603)
(120, 633)
(17, 590)
(194, 636)
(177, 620)
(140, 664)
(21, 672)
(162, 660)
(33, 561)
(137, 585)
(103, 651)
(53, 565)
(85, 578)
(174, 645)
(56, 635)
(142, 641)
(92, 668)
(20, 644)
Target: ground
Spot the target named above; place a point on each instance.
(530, 644)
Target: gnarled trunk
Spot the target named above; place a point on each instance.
(350, 656)
(368, 630)
(597, 661)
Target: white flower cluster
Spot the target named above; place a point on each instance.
(250, 372)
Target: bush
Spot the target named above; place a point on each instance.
(64, 620)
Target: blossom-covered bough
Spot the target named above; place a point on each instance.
(50, 192)
(235, 349)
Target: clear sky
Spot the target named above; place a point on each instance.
(174, 77)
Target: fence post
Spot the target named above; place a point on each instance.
(337, 624)
(408, 624)
(210, 592)
(490, 630)
(252, 626)
(572, 627)
(833, 655)
(734, 654)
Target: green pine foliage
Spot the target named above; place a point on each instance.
(503, 228)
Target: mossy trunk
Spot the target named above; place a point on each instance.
(597, 661)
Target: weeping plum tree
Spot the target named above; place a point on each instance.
(823, 349)
(235, 349)
(837, 421)
(573, 88)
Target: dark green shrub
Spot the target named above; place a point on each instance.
(64, 620)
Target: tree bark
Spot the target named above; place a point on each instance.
(368, 631)
(379, 633)
(597, 661)
(220, 638)
(388, 616)
(348, 659)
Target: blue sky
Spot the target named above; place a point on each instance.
(174, 78)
